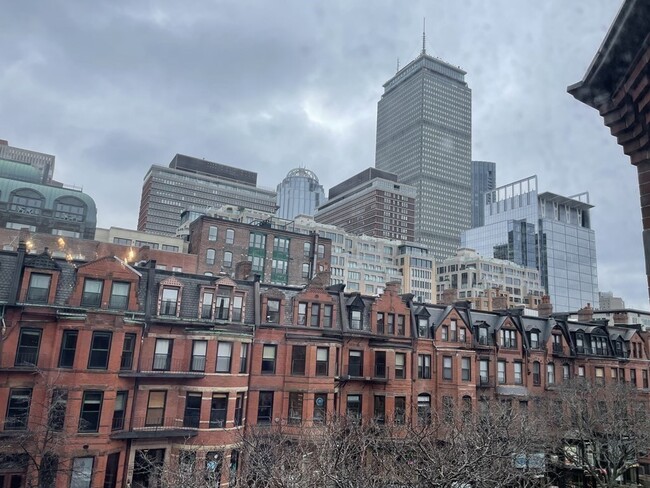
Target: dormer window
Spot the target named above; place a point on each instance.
(273, 311)
(557, 343)
(355, 312)
(169, 301)
(580, 347)
(508, 338)
(119, 295)
(39, 288)
(534, 339)
(92, 294)
(207, 302)
(423, 326)
(483, 336)
(222, 307)
(355, 319)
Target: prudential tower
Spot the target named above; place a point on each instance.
(424, 135)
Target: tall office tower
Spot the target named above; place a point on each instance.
(545, 230)
(300, 193)
(371, 203)
(44, 163)
(484, 179)
(424, 135)
(192, 183)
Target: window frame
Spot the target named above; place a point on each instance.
(424, 366)
(35, 294)
(298, 360)
(93, 350)
(224, 361)
(219, 410)
(115, 297)
(27, 355)
(322, 366)
(92, 299)
(268, 362)
(19, 420)
(447, 369)
(94, 414)
(400, 372)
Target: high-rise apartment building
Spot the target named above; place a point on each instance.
(484, 179)
(550, 230)
(424, 135)
(44, 163)
(373, 203)
(192, 183)
(300, 193)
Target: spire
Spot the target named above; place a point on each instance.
(424, 35)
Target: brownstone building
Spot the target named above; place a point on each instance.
(118, 369)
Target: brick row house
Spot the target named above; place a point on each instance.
(124, 368)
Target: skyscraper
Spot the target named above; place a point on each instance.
(424, 135)
(543, 230)
(300, 193)
(484, 179)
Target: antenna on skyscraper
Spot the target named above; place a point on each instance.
(424, 35)
(397, 64)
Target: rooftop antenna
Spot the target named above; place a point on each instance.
(424, 35)
(397, 64)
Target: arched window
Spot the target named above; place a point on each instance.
(69, 208)
(26, 201)
(230, 236)
(210, 256)
(306, 247)
(227, 259)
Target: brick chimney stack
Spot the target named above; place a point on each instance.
(545, 309)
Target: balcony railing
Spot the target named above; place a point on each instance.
(141, 428)
(26, 359)
(557, 348)
(161, 362)
(484, 380)
(380, 370)
(168, 307)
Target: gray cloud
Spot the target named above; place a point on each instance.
(113, 87)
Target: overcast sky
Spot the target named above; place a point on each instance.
(113, 87)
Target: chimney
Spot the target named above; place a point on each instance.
(3, 142)
(545, 309)
(243, 270)
(586, 314)
(449, 296)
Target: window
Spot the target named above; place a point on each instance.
(56, 414)
(91, 408)
(423, 326)
(424, 409)
(243, 358)
(237, 308)
(268, 359)
(162, 357)
(484, 372)
(213, 466)
(295, 408)
(550, 374)
(112, 465)
(444, 333)
(265, 407)
(557, 343)
(466, 369)
(100, 347)
(353, 407)
(400, 325)
(537, 373)
(581, 371)
(453, 330)
(315, 315)
(18, 409)
(320, 407)
(156, 408)
(380, 364)
(517, 368)
(39, 288)
(483, 336)
(70, 209)
(119, 295)
(355, 319)
(212, 233)
(169, 301)
(534, 340)
(508, 338)
(239, 409)
(28, 345)
(644, 374)
(327, 316)
(400, 365)
(92, 293)
(222, 310)
(501, 372)
(380, 322)
(600, 376)
(227, 259)
(305, 270)
(322, 361)
(424, 366)
(128, 347)
(390, 320)
(379, 409)
(298, 357)
(219, 410)
(210, 256)
(192, 416)
(447, 368)
(566, 372)
(199, 349)
(302, 313)
(306, 249)
(321, 251)
(355, 364)
(400, 409)
(633, 378)
(82, 472)
(119, 410)
(273, 311)
(224, 355)
(462, 335)
(230, 236)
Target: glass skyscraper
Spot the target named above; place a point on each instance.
(424, 135)
(300, 193)
(484, 179)
(545, 230)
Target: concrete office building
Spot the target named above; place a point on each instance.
(44, 163)
(372, 203)
(607, 301)
(484, 179)
(192, 183)
(300, 193)
(424, 135)
(553, 231)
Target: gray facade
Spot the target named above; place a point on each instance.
(547, 229)
(484, 179)
(191, 183)
(300, 193)
(44, 163)
(424, 135)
